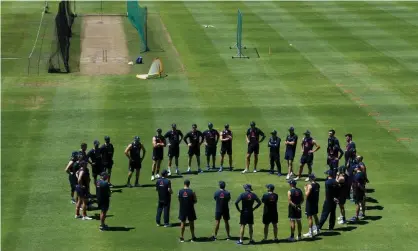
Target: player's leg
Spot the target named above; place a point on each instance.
(102, 219)
(271, 157)
(299, 223)
(332, 216)
(189, 162)
(250, 150)
(342, 211)
(278, 165)
(192, 229)
(256, 152)
(154, 167)
(159, 166)
(222, 159)
(251, 232)
(77, 206)
(177, 165)
(275, 231)
(167, 207)
(230, 160)
(266, 231)
(227, 228)
(130, 172)
(159, 212)
(292, 230)
(213, 158)
(109, 172)
(310, 226)
(215, 232)
(302, 164)
(182, 229)
(241, 233)
(324, 214)
(138, 171)
(207, 153)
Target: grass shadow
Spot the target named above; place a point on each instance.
(116, 191)
(177, 224)
(148, 185)
(370, 190)
(374, 207)
(371, 200)
(203, 239)
(345, 229)
(330, 233)
(359, 222)
(237, 239)
(373, 218)
(175, 177)
(97, 216)
(238, 170)
(119, 186)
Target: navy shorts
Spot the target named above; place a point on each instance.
(253, 148)
(190, 216)
(82, 192)
(97, 169)
(358, 195)
(222, 215)
(107, 167)
(275, 156)
(272, 218)
(306, 159)
(158, 154)
(73, 181)
(311, 209)
(246, 218)
(294, 213)
(194, 150)
(226, 150)
(210, 150)
(174, 151)
(333, 163)
(103, 205)
(289, 155)
(135, 165)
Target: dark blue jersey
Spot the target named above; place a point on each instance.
(134, 151)
(331, 189)
(248, 199)
(226, 133)
(107, 151)
(333, 141)
(211, 136)
(359, 181)
(307, 144)
(335, 152)
(103, 190)
(187, 200)
(83, 155)
(162, 186)
(95, 155)
(274, 144)
(350, 151)
(291, 138)
(296, 196)
(270, 202)
(194, 137)
(254, 135)
(313, 197)
(222, 198)
(174, 137)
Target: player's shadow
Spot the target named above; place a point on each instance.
(237, 239)
(178, 224)
(330, 233)
(191, 173)
(203, 239)
(345, 229)
(359, 222)
(116, 191)
(119, 229)
(370, 190)
(315, 238)
(374, 207)
(147, 185)
(320, 179)
(371, 200)
(373, 218)
(119, 186)
(238, 170)
(175, 177)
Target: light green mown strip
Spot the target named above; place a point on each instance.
(404, 13)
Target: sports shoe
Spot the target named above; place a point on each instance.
(361, 216)
(316, 231)
(354, 219)
(228, 238)
(181, 239)
(73, 201)
(87, 218)
(288, 176)
(276, 240)
(152, 178)
(157, 176)
(252, 242)
(169, 173)
(255, 170)
(239, 242)
(230, 168)
(271, 172)
(291, 239)
(193, 239)
(307, 179)
(297, 177)
(279, 174)
(137, 185)
(189, 169)
(208, 168)
(78, 217)
(103, 227)
(167, 225)
(129, 185)
(299, 238)
(213, 238)
(308, 235)
(245, 170)
(340, 218)
(178, 171)
(200, 170)
(110, 185)
(220, 169)
(159, 225)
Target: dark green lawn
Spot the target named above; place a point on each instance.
(348, 61)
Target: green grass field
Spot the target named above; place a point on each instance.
(352, 66)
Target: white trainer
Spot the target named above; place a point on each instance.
(152, 178)
(308, 235)
(255, 170)
(87, 218)
(245, 170)
(307, 179)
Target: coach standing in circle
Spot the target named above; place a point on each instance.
(253, 141)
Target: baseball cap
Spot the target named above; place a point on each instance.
(136, 138)
(164, 173)
(96, 142)
(194, 126)
(159, 130)
(349, 135)
(292, 182)
(252, 123)
(227, 126)
(307, 132)
(270, 186)
(210, 125)
(106, 138)
(173, 125)
(187, 182)
(274, 132)
(248, 187)
(291, 129)
(222, 184)
(312, 176)
(328, 172)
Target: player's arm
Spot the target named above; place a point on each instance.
(185, 139)
(289, 199)
(80, 178)
(258, 203)
(113, 151)
(169, 187)
(194, 198)
(215, 195)
(217, 136)
(143, 151)
(308, 188)
(164, 144)
(247, 136)
(263, 136)
(341, 152)
(200, 134)
(154, 142)
(180, 135)
(301, 145)
(237, 203)
(128, 148)
(67, 168)
(316, 145)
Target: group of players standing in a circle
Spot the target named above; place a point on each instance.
(346, 181)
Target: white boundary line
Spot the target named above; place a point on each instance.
(39, 29)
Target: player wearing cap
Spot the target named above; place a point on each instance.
(95, 156)
(222, 198)
(107, 151)
(158, 143)
(332, 140)
(307, 153)
(274, 145)
(295, 200)
(344, 189)
(133, 152)
(291, 143)
(83, 181)
(359, 194)
(163, 187)
(187, 200)
(174, 137)
(330, 202)
(103, 198)
(226, 147)
(270, 214)
(311, 210)
(70, 170)
(196, 139)
(350, 150)
(211, 137)
(247, 212)
(253, 142)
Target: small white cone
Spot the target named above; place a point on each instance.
(131, 63)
